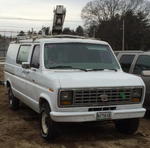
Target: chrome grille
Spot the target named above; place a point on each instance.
(115, 96)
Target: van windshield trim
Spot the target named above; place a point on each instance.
(78, 62)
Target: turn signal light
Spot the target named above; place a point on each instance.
(66, 103)
(135, 100)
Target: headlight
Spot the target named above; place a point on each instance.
(137, 95)
(66, 97)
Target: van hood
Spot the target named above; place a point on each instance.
(72, 79)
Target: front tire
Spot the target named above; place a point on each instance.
(127, 126)
(47, 125)
(13, 101)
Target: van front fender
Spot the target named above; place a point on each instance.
(48, 99)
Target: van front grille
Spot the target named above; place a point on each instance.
(115, 96)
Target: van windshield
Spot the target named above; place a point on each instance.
(79, 55)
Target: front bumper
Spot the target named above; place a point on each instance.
(92, 116)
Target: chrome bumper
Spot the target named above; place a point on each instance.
(92, 116)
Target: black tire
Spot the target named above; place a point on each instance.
(13, 101)
(147, 114)
(127, 126)
(46, 123)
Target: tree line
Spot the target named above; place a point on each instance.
(108, 19)
(46, 30)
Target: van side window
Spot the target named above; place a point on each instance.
(35, 60)
(23, 54)
(126, 61)
(143, 63)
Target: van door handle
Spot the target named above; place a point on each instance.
(33, 69)
(26, 71)
(33, 80)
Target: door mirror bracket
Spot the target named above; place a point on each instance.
(26, 65)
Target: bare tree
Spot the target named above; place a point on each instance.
(100, 10)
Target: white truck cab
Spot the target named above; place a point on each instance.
(71, 79)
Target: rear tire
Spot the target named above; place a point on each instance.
(127, 126)
(13, 101)
(47, 125)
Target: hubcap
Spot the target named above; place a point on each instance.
(45, 123)
(10, 101)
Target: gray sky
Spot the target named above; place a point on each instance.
(38, 9)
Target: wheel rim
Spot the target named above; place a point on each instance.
(45, 123)
(10, 101)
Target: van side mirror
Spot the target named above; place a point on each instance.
(25, 65)
(146, 73)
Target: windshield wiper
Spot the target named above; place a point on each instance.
(96, 69)
(67, 67)
(101, 69)
(86, 70)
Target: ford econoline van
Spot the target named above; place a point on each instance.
(72, 79)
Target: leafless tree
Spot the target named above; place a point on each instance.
(99, 10)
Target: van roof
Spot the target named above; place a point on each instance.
(62, 39)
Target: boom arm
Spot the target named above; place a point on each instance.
(59, 18)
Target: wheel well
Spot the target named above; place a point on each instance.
(8, 84)
(42, 101)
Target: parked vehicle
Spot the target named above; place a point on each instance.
(72, 79)
(138, 63)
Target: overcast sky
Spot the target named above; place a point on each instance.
(38, 9)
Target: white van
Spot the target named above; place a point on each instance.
(71, 79)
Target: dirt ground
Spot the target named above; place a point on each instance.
(1, 72)
(20, 129)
